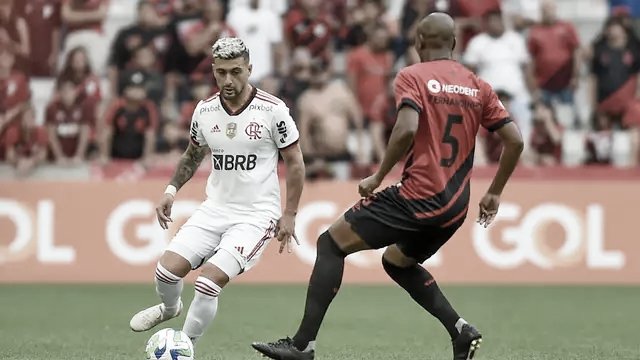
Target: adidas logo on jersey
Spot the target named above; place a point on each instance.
(215, 129)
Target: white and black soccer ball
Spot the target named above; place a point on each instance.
(169, 344)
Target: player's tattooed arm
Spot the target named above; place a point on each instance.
(188, 164)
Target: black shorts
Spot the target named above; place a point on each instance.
(386, 219)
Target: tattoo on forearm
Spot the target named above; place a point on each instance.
(189, 163)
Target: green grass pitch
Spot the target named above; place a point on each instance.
(85, 322)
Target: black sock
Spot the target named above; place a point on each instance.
(422, 287)
(323, 287)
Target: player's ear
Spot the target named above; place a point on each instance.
(250, 68)
(418, 42)
(455, 41)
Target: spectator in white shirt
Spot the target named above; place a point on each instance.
(261, 29)
(500, 57)
(280, 7)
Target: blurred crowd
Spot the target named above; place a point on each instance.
(332, 61)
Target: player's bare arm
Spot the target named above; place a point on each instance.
(402, 136)
(187, 167)
(295, 182)
(513, 146)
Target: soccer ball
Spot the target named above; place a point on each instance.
(169, 344)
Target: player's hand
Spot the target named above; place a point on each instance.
(488, 209)
(285, 231)
(369, 185)
(163, 211)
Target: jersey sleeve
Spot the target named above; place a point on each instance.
(494, 114)
(283, 129)
(406, 91)
(195, 132)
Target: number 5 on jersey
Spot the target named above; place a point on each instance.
(452, 119)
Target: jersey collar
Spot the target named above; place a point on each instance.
(226, 108)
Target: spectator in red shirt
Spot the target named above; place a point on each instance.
(78, 70)
(14, 95)
(130, 125)
(383, 118)
(555, 48)
(69, 126)
(26, 145)
(14, 32)
(309, 26)
(368, 67)
(44, 22)
(84, 24)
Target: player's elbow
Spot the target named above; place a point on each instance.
(514, 145)
(408, 134)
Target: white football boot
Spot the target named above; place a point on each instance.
(151, 317)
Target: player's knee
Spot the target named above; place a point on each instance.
(222, 267)
(173, 264)
(207, 288)
(327, 245)
(393, 256)
(347, 240)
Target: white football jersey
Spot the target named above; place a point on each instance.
(244, 151)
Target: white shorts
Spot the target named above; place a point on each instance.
(210, 229)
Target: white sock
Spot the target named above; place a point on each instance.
(459, 324)
(203, 308)
(169, 288)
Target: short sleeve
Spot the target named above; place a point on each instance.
(284, 130)
(406, 91)
(195, 132)
(494, 115)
